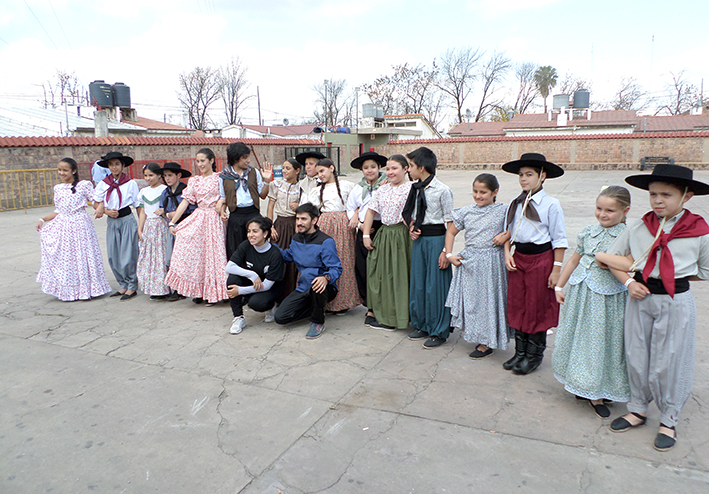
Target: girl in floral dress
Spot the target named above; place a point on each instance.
(478, 293)
(331, 197)
(152, 236)
(72, 266)
(589, 354)
(199, 256)
(389, 262)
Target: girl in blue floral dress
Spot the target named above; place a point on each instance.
(589, 357)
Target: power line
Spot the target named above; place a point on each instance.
(4, 41)
(40, 25)
(60, 25)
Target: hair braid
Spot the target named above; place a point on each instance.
(337, 183)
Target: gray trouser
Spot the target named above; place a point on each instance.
(659, 349)
(122, 249)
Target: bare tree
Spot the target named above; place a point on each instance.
(457, 74)
(408, 90)
(492, 73)
(527, 90)
(545, 79)
(331, 101)
(63, 88)
(199, 89)
(630, 96)
(681, 95)
(570, 84)
(233, 82)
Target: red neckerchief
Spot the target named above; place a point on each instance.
(689, 225)
(115, 185)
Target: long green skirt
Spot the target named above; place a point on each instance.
(388, 271)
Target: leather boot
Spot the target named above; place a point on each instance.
(520, 348)
(535, 353)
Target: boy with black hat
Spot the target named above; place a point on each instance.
(533, 258)
(114, 196)
(670, 247)
(170, 199)
(309, 159)
(370, 163)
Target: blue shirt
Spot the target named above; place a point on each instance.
(170, 207)
(243, 197)
(98, 173)
(314, 254)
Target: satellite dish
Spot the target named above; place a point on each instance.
(286, 121)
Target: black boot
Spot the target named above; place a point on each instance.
(535, 353)
(520, 348)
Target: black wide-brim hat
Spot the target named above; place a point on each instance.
(309, 154)
(369, 155)
(673, 174)
(534, 160)
(115, 155)
(176, 168)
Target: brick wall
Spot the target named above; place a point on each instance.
(573, 153)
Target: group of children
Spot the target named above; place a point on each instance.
(626, 333)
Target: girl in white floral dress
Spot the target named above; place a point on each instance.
(152, 235)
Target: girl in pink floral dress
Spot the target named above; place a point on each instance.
(72, 266)
(199, 256)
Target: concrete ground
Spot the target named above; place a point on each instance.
(144, 396)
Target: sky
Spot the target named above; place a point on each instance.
(289, 46)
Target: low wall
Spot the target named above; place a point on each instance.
(596, 152)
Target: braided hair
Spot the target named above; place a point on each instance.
(74, 172)
(209, 154)
(329, 164)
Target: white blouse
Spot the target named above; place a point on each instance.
(331, 199)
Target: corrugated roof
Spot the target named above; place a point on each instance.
(148, 123)
(479, 129)
(34, 141)
(49, 122)
(673, 123)
(279, 130)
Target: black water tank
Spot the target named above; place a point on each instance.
(101, 93)
(582, 98)
(121, 95)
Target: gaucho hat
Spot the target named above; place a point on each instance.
(369, 155)
(534, 160)
(673, 174)
(115, 155)
(176, 168)
(309, 154)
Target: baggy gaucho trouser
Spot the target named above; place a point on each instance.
(659, 349)
(122, 249)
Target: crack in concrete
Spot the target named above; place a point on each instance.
(223, 422)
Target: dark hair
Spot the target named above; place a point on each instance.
(490, 181)
(74, 172)
(424, 157)
(153, 167)
(676, 185)
(309, 208)
(399, 158)
(263, 223)
(210, 156)
(295, 163)
(235, 151)
(327, 162)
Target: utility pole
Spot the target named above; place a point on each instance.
(258, 98)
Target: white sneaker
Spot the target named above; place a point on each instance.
(237, 325)
(270, 315)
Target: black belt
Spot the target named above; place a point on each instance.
(245, 210)
(531, 249)
(657, 288)
(433, 230)
(124, 212)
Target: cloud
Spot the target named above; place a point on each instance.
(497, 8)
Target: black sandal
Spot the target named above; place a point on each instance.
(621, 424)
(663, 442)
(601, 410)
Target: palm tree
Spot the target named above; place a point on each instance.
(545, 78)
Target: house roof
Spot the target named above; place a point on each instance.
(278, 130)
(17, 142)
(608, 118)
(150, 124)
(673, 123)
